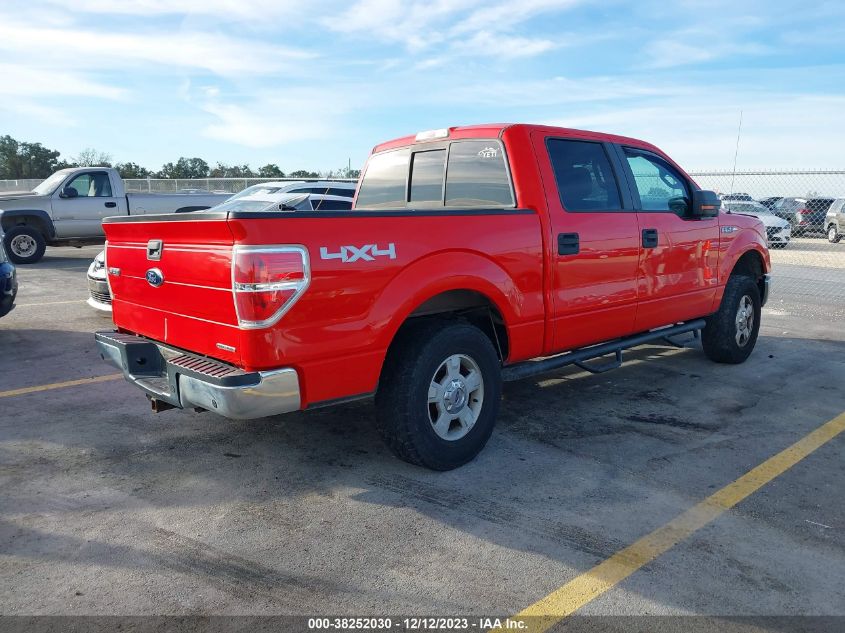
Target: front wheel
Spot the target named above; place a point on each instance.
(24, 244)
(833, 235)
(439, 393)
(731, 333)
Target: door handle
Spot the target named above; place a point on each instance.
(111, 205)
(649, 238)
(568, 244)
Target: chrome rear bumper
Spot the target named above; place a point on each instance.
(185, 380)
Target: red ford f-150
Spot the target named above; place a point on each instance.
(472, 255)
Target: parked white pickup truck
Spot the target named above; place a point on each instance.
(68, 208)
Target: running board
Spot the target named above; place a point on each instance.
(579, 356)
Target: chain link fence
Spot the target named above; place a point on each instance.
(22, 184)
(219, 185)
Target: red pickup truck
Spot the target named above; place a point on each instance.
(472, 255)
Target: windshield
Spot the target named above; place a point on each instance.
(51, 184)
(256, 190)
(265, 202)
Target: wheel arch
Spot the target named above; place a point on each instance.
(36, 218)
(482, 293)
(752, 264)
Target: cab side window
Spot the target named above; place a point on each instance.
(91, 185)
(659, 185)
(585, 179)
(383, 185)
(477, 176)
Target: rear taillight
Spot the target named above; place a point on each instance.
(267, 281)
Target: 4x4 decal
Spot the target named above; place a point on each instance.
(367, 253)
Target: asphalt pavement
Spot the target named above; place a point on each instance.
(108, 508)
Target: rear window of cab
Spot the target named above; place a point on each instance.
(464, 174)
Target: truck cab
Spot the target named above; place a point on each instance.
(83, 198)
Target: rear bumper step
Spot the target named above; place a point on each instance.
(183, 380)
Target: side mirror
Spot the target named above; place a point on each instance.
(297, 203)
(68, 192)
(679, 205)
(705, 204)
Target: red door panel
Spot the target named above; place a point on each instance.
(678, 267)
(677, 278)
(594, 291)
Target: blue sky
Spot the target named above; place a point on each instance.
(313, 84)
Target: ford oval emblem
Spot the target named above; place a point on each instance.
(154, 277)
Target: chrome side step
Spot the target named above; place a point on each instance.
(578, 357)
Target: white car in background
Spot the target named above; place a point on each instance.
(321, 187)
(778, 230)
(264, 197)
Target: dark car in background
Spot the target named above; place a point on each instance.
(736, 197)
(8, 282)
(809, 217)
(771, 203)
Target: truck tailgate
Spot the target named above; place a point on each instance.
(181, 293)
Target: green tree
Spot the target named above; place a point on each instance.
(302, 173)
(270, 171)
(90, 157)
(232, 171)
(185, 168)
(132, 170)
(26, 160)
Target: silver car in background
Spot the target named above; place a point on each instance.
(834, 221)
(99, 295)
(778, 230)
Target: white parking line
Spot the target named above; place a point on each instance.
(47, 303)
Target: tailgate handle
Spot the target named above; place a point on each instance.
(154, 248)
(568, 244)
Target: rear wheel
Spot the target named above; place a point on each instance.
(24, 244)
(731, 333)
(439, 393)
(833, 235)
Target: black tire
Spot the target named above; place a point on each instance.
(833, 235)
(404, 414)
(719, 338)
(12, 245)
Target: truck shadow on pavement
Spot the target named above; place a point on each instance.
(572, 453)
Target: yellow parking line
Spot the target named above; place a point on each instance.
(578, 592)
(47, 303)
(59, 385)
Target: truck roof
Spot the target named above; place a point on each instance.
(487, 130)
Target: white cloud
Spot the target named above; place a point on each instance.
(241, 10)
(212, 52)
(269, 120)
(701, 134)
(458, 27)
(20, 80)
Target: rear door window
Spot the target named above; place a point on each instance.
(383, 185)
(585, 179)
(427, 171)
(477, 175)
(331, 205)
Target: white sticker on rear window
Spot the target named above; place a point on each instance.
(489, 152)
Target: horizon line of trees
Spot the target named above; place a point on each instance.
(20, 160)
